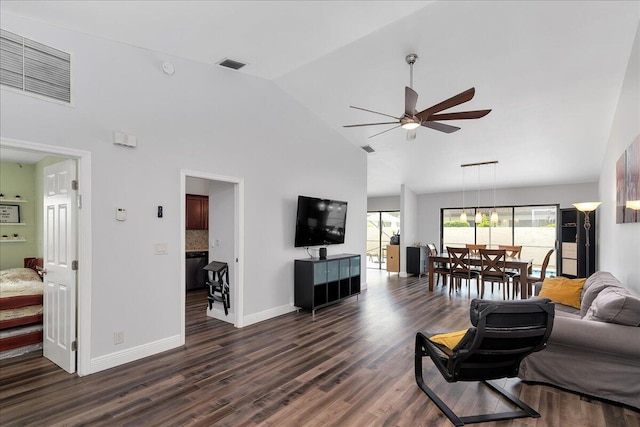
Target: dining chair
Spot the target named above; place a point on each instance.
(493, 269)
(460, 268)
(475, 249)
(533, 279)
(512, 252)
(440, 269)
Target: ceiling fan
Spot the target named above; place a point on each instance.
(412, 119)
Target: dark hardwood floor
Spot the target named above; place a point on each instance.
(352, 366)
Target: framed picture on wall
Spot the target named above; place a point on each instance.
(9, 214)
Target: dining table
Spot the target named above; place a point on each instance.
(520, 264)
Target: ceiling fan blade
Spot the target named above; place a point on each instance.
(462, 115)
(411, 134)
(380, 133)
(440, 126)
(460, 98)
(369, 124)
(410, 101)
(374, 112)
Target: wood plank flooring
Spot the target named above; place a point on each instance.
(352, 366)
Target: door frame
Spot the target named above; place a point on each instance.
(83, 235)
(238, 301)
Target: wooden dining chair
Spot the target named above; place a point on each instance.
(439, 269)
(460, 268)
(533, 279)
(512, 252)
(494, 270)
(475, 249)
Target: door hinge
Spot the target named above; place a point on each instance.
(74, 265)
(74, 346)
(74, 184)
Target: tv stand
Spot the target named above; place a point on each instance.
(323, 282)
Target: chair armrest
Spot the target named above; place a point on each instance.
(600, 337)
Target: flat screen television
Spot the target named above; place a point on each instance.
(320, 221)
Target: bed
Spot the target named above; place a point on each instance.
(21, 291)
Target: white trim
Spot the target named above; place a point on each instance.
(83, 159)
(268, 314)
(238, 244)
(132, 354)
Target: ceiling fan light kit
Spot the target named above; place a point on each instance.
(412, 119)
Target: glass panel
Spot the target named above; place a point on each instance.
(319, 273)
(355, 266)
(345, 268)
(455, 232)
(374, 254)
(535, 230)
(380, 227)
(333, 270)
(496, 234)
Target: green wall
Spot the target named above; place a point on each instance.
(18, 179)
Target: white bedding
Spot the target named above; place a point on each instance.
(20, 281)
(18, 313)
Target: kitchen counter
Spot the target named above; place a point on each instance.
(197, 250)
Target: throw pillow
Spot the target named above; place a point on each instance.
(449, 340)
(593, 286)
(615, 305)
(563, 290)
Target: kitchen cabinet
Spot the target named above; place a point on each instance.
(197, 208)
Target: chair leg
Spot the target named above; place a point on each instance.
(525, 410)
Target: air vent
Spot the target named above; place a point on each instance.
(368, 149)
(230, 63)
(33, 67)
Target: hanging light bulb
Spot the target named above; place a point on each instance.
(478, 214)
(463, 215)
(494, 214)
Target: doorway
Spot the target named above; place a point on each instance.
(381, 225)
(225, 238)
(81, 234)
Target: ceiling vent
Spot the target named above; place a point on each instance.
(230, 63)
(368, 149)
(35, 68)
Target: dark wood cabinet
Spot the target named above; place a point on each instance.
(322, 282)
(417, 260)
(573, 238)
(197, 208)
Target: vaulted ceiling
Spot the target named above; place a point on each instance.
(550, 71)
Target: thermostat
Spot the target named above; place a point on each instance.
(121, 214)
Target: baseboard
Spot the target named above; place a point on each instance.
(219, 314)
(268, 314)
(135, 353)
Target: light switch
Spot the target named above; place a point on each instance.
(161, 249)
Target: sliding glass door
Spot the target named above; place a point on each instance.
(532, 227)
(380, 227)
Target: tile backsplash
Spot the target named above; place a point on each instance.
(197, 240)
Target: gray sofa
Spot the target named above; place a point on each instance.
(589, 350)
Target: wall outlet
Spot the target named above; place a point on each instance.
(118, 337)
(161, 249)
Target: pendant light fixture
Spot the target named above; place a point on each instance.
(478, 214)
(494, 214)
(463, 215)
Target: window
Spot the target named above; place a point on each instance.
(35, 68)
(532, 227)
(380, 227)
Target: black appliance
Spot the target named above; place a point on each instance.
(196, 275)
(320, 221)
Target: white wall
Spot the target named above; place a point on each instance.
(389, 203)
(203, 118)
(619, 249)
(408, 224)
(429, 205)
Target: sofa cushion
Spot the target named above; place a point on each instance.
(593, 286)
(615, 305)
(563, 290)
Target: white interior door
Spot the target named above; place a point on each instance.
(59, 255)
